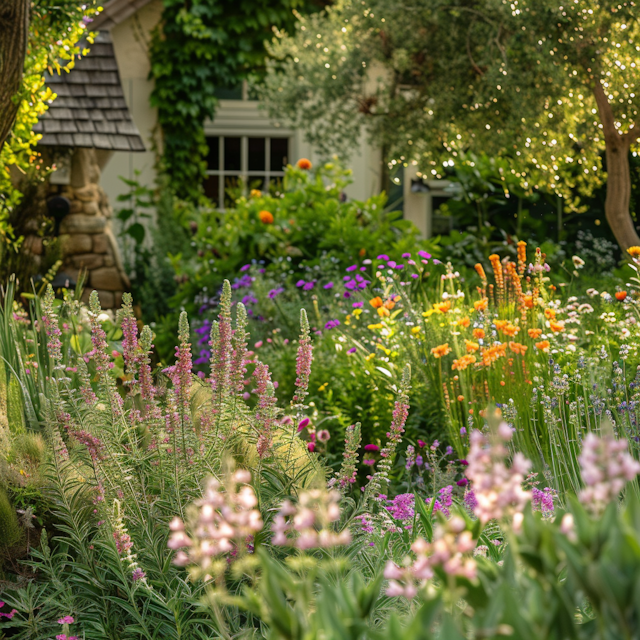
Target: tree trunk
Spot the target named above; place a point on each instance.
(14, 31)
(616, 206)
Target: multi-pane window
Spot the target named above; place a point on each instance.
(243, 162)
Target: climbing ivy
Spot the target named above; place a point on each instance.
(197, 47)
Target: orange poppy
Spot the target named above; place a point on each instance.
(534, 333)
(556, 327)
(518, 348)
(266, 217)
(491, 354)
(305, 164)
(549, 314)
(442, 307)
(478, 334)
(389, 304)
(462, 363)
(501, 324)
(464, 322)
(543, 346)
(376, 302)
(620, 295)
(471, 346)
(481, 305)
(441, 350)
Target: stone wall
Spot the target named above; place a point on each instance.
(86, 236)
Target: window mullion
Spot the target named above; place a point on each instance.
(221, 178)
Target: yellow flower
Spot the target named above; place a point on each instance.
(357, 312)
(255, 193)
(322, 387)
(373, 327)
(634, 252)
(383, 312)
(371, 356)
(415, 330)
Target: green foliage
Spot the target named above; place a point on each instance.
(512, 81)
(9, 527)
(309, 219)
(54, 32)
(196, 49)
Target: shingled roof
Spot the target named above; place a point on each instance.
(90, 110)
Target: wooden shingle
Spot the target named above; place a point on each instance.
(90, 109)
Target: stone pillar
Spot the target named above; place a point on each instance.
(86, 237)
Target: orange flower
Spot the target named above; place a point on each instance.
(266, 217)
(534, 333)
(511, 330)
(471, 346)
(376, 302)
(442, 307)
(634, 252)
(478, 334)
(464, 322)
(549, 314)
(528, 302)
(255, 193)
(543, 346)
(362, 253)
(556, 327)
(490, 355)
(481, 273)
(460, 398)
(481, 305)
(620, 295)
(441, 350)
(518, 348)
(463, 363)
(501, 324)
(390, 303)
(522, 252)
(305, 164)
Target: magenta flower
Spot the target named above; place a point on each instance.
(353, 267)
(382, 256)
(329, 285)
(371, 447)
(311, 446)
(300, 283)
(352, 350)
(66, 620)
(302, 424)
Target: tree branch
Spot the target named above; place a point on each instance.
(611, 134)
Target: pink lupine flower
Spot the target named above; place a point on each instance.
(307, 525)
(497, 489)
(51, 327)
(303, 361)
(223, 520)
(606, 466)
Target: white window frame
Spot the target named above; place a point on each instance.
(244, 174)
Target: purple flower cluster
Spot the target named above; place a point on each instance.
(306, 286)
(332, 324)
(443, 503)
(542, 500)
(402, 507)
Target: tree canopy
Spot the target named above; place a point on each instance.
(548, 85)
(54, 30)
